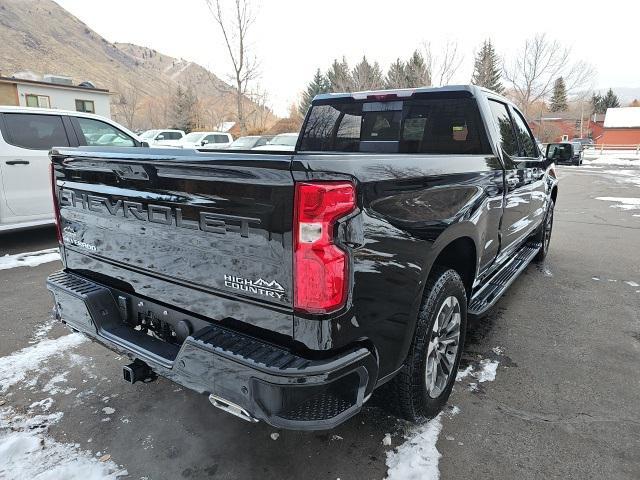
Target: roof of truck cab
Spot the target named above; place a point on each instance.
(406, 92)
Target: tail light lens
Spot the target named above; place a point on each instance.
(56, 207)
(320, 267)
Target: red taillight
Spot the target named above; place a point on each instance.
(56, 207)
(320, 268)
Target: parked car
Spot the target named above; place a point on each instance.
(284, 142)
(27, 136)
(206, 140)
(569, 153)
(249, 142)
(164, 138)
(287, 287)
(585, 142)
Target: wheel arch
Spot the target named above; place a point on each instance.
(454, 248)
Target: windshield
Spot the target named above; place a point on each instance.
(289, 140)
(244, 142)
(192, 137)
(149, 134)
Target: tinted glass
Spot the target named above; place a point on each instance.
(100, 133)
(36, 132)
(527, 143)
(173, 136)
(221, 138)
(505, 128)
(440, 125)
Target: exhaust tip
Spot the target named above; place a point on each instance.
(232, 408)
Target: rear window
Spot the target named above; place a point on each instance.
(438, 126)
(36, 132)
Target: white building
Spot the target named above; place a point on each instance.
(55, 92)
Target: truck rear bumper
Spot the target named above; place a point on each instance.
(266, 381)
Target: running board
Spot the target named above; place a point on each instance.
(490, 293)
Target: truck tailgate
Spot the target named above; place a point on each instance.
(210, 234)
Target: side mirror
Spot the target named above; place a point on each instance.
(144, 144)
(559, 151)
(204, 142)
(160, 137)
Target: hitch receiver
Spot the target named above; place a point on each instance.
(138, 370)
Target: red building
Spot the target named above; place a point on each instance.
(621, 127)
(553, 126)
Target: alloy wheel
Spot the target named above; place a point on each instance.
(443, 347)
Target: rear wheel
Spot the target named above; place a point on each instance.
(425, 382)
(544, 236)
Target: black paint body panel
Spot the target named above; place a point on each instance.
(410, 207)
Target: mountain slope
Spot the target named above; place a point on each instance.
(40, 36)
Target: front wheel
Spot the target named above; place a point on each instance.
(544, 236)
(425, 382)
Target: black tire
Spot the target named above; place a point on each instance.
(544, 235)
(411, 398)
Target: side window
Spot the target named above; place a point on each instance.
(172, 136)
(527, 143)
(100, 133)
(35, 132)
(86, 106)
(41, 101)
(221, 138)
(505, 128)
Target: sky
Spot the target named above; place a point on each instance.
(291, 39)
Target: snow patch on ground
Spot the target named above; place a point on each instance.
(29, 259)
(418, 457)
(41, 332)
(14, 367)
(632, 283)
(28, 452)
(624, 203)
(487, 371)
(621, 159)
(462, 374)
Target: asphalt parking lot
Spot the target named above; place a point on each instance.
(564, 344)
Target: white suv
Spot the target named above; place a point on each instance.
(162, 138)
(27, 135)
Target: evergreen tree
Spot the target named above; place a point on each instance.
(486, 69)
(559, 98)
(339, 77)
(318, 85)
(610, 100)
(367, 76)
(184, 110)
(600, 103)
(396, 75)
(417, 71)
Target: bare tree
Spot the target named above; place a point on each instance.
(442, 67)
(127, 104)
(259, 112)
(235, 30)
(539, 63)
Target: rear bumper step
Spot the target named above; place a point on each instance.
(246, 376)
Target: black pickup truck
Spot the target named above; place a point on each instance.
(288, 286)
